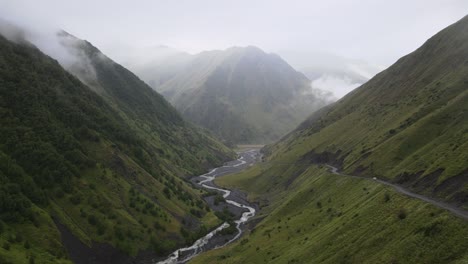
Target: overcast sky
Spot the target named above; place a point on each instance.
(377, 31)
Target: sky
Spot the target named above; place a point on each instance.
(341, 39)
(377, 31)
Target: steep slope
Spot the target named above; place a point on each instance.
(103, 167)
(319, 217)
(408, 125)
(243, 95)
(141, 106)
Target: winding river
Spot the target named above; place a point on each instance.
(247, 158)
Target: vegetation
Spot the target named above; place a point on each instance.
(95, 162)
(353, 223)
(408, 125)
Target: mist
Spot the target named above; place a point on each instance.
(337, 44)
(54, 42)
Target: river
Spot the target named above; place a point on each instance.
(246, 159)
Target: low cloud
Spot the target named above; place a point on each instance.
(56, 43)
(339, 86)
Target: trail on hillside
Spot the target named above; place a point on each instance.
(455, 210)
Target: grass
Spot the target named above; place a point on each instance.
(410, 119)
(326, 218)
(408, 124)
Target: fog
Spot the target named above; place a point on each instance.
(366, 36)
(56, 43)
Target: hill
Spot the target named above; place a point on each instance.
(243, 95)
(93, 172)
(408, 125)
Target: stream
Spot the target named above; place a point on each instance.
(246, 159)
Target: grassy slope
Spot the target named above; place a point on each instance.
(410, 118)
(325, 218)
(67, 153)
(408, 124)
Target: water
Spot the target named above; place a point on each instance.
(183, 255)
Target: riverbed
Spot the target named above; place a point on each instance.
(235, 202)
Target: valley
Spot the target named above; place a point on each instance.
(234, 205)
(233, 132)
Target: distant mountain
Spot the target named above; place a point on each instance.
(243, 95)
(92, 170)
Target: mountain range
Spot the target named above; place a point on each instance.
(242, 94)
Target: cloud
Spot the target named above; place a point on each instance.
(339, 86)
(56, 43)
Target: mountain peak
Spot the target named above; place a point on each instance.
(243, 94)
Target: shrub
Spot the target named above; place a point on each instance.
(75, 199)
(92, 219)
(386, 197)
(218, 199)
(402, 214)
(6, 246)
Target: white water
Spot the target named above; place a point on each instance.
(197, 247)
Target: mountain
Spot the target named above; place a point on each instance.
(93, 170)
(407, 126)
(243, 95)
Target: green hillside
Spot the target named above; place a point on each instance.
(407, 125)
(243, 95)
(109, 167)
(319, 217)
